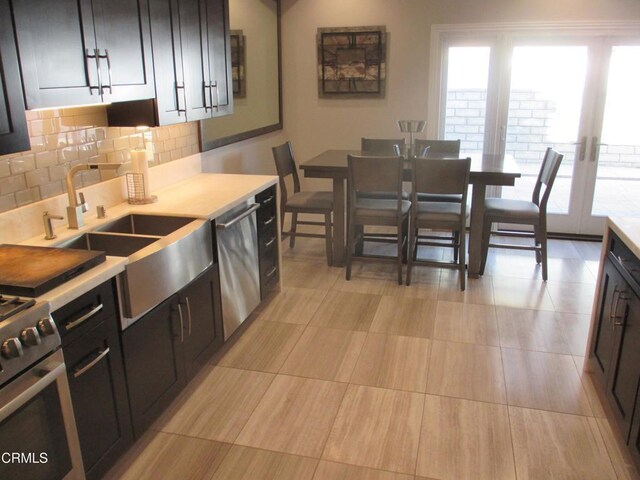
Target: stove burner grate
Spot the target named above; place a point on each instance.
(11, 305)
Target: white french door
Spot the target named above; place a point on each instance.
(518, 90)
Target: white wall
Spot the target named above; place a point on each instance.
(314, 124)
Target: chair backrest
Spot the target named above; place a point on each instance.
(371, 174)
(546, 178)
(441, 176)
(285, 166)
(438, 148)
(381, 146)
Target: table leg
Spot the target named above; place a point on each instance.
(338, 222)
(475, 235)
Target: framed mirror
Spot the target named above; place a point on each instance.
(255, 58)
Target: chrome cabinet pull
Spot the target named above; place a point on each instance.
(267, 200)
(268, 222)
(181, 92)
(181, 323)
(80, 371)
(70, 325)
(189, 312)
(613, 310)
(271, 272)
(270, 242)
(87, 58)
(217, 105)
(207, 106)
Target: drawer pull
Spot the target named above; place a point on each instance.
(270, 242)
(91, 364)
(267, 222)
(83, 318)
(271, 272)
(267, 200)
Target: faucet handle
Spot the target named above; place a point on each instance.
(48, 227)
(83, 203)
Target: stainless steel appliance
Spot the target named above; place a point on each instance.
(38, 438)
(239, 267)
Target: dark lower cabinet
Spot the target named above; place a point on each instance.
(78, 52)
(267, 224)
(615, 349)
(153, 363)
(91, 345)
(14, 136)
(168, 345)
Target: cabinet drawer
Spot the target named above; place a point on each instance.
(78, 316)
(267, 212)
(626, 259)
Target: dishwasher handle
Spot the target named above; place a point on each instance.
(246, 213)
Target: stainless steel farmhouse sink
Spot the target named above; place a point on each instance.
(160, 225)
(164, 254)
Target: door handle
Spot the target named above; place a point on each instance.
(595, 149)
(582, 150)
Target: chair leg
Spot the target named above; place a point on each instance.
(350, 235)
(405, 239)
(462, 261)
(486, 238)
(328, 238)
(359, 235)
(536, 234)
(456, 242)
(400, 249)
(543, 251)
(294, 223)
(413, 239)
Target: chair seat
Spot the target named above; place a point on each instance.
(439, 197)
(383, 195)
(506, 209)
(438, 212)
(372, 207)
(311, 200)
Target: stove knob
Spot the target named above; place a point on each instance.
(30, 337)
(46, 326)
(11, 348)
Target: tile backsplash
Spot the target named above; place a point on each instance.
(63, 138)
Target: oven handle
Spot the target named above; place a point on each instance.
(30, 384)
(233, 221)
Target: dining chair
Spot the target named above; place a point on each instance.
(301, 202)
(523, 212)
(373, 174)
(439, 177)
(382, 146)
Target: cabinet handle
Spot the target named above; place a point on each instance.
(207, 106)
(109, 73)
(181, 92)
(91, 364)
(270, 242)
(271, 272)
(613, 311)
(87, 58)
(181, 323)
(267, 200)
(217, 105)
(189, 312)
(268, 222)
(73, 324)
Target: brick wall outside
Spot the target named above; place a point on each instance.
(63, 138)
(530, 117)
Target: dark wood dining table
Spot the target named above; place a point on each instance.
(486, 169)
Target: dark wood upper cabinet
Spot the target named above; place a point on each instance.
(14, 136)
(191, 53)
(78, 52)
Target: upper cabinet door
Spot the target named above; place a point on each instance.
(13, 124)
(56, 41)
(219, 56)
(123, 40)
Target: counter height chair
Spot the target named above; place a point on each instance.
(301, 202)
(523, 212)
(439, 177)
(368, 175)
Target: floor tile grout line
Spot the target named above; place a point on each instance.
(415, 466)
(511, 435)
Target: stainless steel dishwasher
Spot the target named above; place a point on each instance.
(239, 268)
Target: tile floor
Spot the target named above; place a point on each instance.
(371, 380)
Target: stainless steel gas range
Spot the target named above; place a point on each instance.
(38, 438)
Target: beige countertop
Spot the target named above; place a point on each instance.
(628, 229)
(204, 196)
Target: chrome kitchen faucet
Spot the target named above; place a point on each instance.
(77, 204)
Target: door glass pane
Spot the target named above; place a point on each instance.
(467, 96)
(545, 102)
(618, 179)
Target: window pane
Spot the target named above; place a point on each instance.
(467, 96)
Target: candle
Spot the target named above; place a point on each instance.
(139, 164)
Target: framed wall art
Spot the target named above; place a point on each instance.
(352, 62)
(238, 64)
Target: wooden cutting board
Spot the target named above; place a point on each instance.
(32, 271)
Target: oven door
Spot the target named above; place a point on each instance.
(38, 438)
